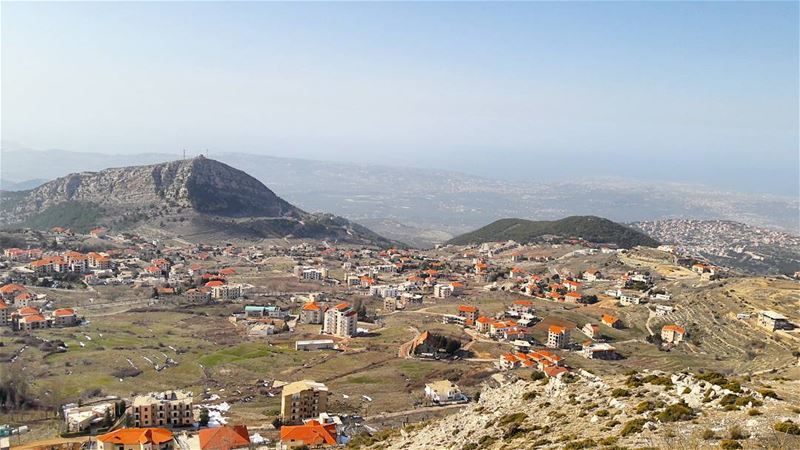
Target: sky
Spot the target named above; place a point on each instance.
(700, 92)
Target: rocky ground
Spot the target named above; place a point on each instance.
(644, 410)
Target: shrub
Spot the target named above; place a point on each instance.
(713, 378)
(676, 413)
(537, 375)
(728, 399)
(619, 392)
(753, 412)
(578, 445)
(530, 395)
(729, 444)
(601, 413)
(748, 399)
(634, 426)
(735, 432)
(708, 434)
(768, 393)
(787, 427)
(608, 440)
(645, 406)
(515, 418)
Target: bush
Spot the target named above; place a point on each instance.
(601, 413)
(516, 418)
(634, 426)
(728, 399)
(787, 427)
(708, 434)
(537, 375)
(645, 406)
(713, 378)
(747, 400)
(768, 393)
(729, 444)
(753, 412)
(735, 432)
(619, 392)
(676, 413)
(578, 445)
(530, 395)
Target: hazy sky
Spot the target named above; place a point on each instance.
(706, 92)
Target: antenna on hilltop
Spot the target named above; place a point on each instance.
(184, 153)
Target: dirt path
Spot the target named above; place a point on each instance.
(405, 349)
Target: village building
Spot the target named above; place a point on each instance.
(444, 391)
(302, 400)
(591, 330)
(673, 334)
(221, 438)
(341, 320)
(557, 336)
(163, 409)
(773, 321)
(136, 439)
(311, 434)
(611, 321)
(312, 313)
(468, 312)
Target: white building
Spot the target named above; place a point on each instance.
(443, 392)
(341, 320)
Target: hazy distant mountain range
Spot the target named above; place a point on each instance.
(422, 206)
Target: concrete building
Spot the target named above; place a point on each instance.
(557, 336)
(303, 400)
(169, 408)
(773, 321)
(341, 320)
(444, 391)
(136, 439)
(312, 312)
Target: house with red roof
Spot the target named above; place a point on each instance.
(136, 439)
(222, 438)
(311, 434)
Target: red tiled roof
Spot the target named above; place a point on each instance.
(311, 434)
(224, 438)
(132, 436)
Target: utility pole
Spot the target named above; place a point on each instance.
(184, 153)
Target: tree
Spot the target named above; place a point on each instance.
(277, 423)
(204, 417)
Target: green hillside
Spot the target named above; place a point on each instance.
(590, 228)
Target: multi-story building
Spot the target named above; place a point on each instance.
(303, 400)
(169, 408)
(312, 312)
(340, 320)
(3, 313)
(226, 291)
(557, 336)
(468, 312)
(442, 291)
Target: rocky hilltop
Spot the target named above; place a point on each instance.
(188, 197)
(647, 410)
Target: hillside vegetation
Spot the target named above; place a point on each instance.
(590, 228)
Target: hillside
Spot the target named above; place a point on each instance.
(590, 228)
(647, 410)
(188, 197)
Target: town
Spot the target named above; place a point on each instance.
(125, 340)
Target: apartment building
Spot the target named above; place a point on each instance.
(303, 400)
(169, 408)
(340, 320)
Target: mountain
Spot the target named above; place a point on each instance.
(429, 205)
(590, 228)
(192, 197)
